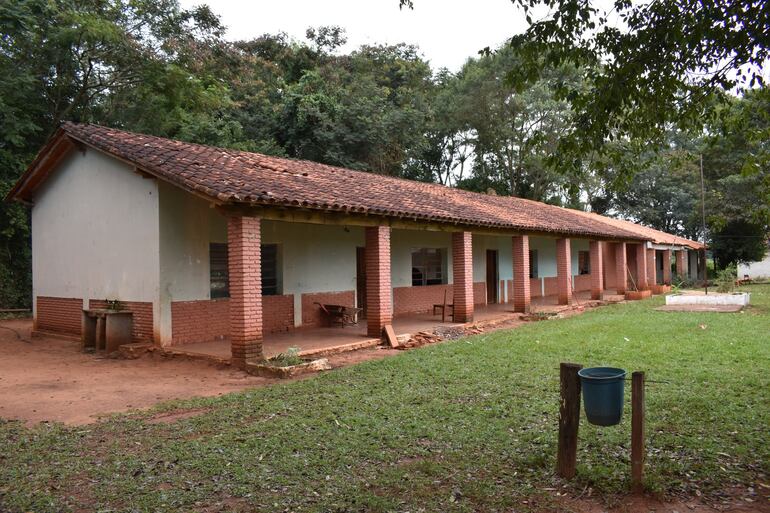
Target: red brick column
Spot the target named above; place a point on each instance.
(652, 270)
(621, 272)
(597, 269)
(641, 267)
(521, 296)
(564, 271)
(462, 275)
(667, 267)
(245, 273)
(681, 263)
(379, 307)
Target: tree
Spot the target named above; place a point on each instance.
(666, 196)
(68, 59)
(736, 163)
(653, 65)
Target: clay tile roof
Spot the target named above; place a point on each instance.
(233, 177)
(656, 236)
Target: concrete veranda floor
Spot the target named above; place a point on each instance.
(321, 341)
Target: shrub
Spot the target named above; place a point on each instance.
(725, 280)
(287, 359)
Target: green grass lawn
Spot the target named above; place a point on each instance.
(468, 425)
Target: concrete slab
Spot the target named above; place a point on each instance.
(700, 308)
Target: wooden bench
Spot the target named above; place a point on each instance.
(344, 315)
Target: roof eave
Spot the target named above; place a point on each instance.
(57, 147)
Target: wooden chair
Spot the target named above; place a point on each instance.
(444, 306)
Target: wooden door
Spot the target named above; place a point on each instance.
(361, 280)
(491, 276)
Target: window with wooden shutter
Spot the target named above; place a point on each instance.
(428, 266)
(218, 275)
(270, 281)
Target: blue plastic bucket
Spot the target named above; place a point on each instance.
(602, 394)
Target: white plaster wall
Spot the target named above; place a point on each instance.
(314, 257)
(187, 226)
(95, 231)
(504, 247)
(546, 255)
(575, 246)
(755, 270)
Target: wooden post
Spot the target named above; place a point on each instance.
(569, 420)
(637, 432)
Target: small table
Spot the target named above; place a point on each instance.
(106, 330)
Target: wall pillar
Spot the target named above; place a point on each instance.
(621, 272)
(681, 264)
(245, 274)
(667, 267)
(597, 269)
(564, 271)
(652, 269)
(641, 267)
(462, 276)
(379, 307)
(521, 295)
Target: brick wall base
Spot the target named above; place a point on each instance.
(142, 310)
(414, 300)
(582, 282)
(207, 320)
(59, 314)
(312, 314)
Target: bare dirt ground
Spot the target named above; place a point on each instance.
(48, 379)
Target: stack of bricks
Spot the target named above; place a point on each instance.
(564, 271)
(379, 310)
(597, 269)
(462, 272)
(244, 238)
(521, 284)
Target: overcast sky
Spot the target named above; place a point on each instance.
(446, 31)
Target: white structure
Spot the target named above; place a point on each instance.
(738, 298)
(756, 270)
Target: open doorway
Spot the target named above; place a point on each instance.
(492, 276)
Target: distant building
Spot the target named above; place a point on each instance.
(756, 270)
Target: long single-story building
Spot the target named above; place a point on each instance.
(202, 243)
